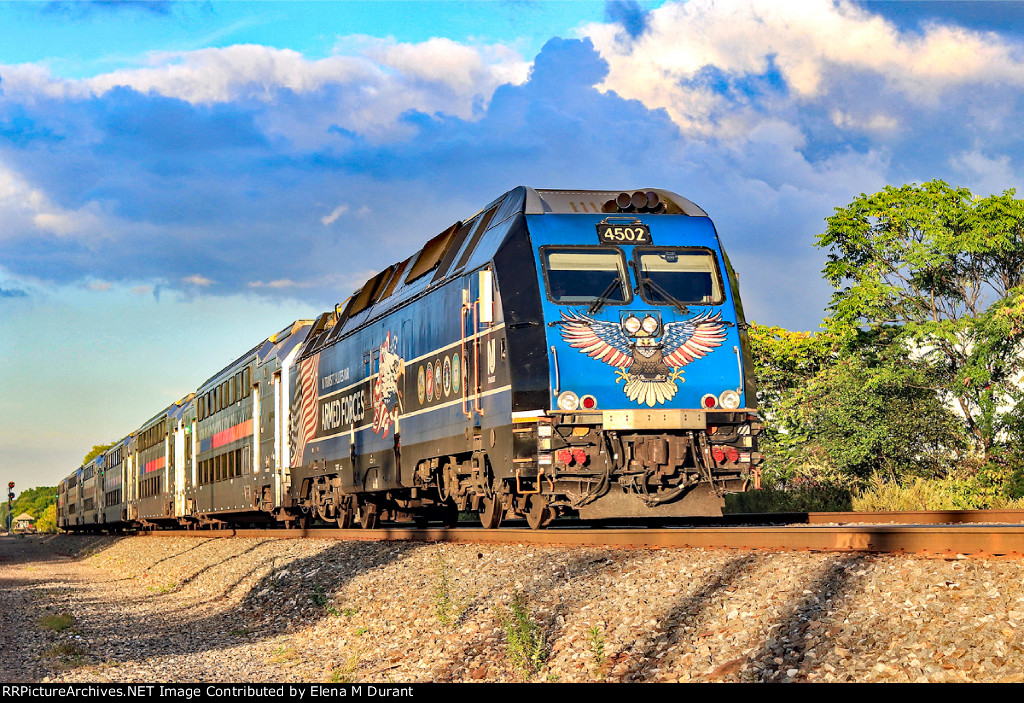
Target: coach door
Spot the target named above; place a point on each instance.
(180, 466)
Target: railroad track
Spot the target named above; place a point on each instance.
(949, 533)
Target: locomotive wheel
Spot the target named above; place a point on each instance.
(345, 518)
(538, 513)
(369, 518)
(491, 512)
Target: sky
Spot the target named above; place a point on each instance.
(179, 180)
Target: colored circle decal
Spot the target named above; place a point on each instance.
(430, 382)
(456, 373)
(446, 376)
(421, 385)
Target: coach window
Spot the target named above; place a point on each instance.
(584, 275)
(670, 275)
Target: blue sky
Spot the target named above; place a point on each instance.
(180, 179)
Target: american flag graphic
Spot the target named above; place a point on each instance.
(304, 407)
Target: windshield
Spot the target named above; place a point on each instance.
(579, 275)
(679, 275)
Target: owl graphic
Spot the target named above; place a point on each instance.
(648, 356)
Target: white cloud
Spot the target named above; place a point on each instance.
(876, 122)
(335, 214)
(25, 207)
(810, 43)
(381, 79)
(985, 175)
(198, 280)
(279, 283)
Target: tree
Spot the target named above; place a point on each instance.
(47, 522)
(944, 270)
(846, 403)
(33, 501)
(96, 451)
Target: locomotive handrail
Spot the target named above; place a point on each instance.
(477, 407)
(476, 359)
(463, 365)
(554, 353)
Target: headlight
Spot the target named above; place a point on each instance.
(568, 401)
(650, 325)
(729, 399)
(632, 324)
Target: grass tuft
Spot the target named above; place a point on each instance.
(57, 623)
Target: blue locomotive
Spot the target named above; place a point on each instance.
(558, 353)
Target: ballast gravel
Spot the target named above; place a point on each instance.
(191, 609)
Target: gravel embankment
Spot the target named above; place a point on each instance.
(149, 609)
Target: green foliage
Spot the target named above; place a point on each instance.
(979, 492)
(524, 640)
(944, 268)
(928, 316)
(96, 451)
(845, 403)
(34, 501)
(47, 522)
(805, 497)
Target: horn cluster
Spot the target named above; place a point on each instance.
(640, 201)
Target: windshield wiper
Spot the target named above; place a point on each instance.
(666, 296)
(604, 297)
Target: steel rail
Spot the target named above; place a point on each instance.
(929, 539)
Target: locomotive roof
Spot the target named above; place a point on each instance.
(465, 246)
(574, 202)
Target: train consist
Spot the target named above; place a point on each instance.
(559, 353)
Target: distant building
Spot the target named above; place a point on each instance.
(24, 523)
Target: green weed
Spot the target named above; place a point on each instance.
(163, 588)
(524, 640)
(448, 608)
(346, 673)
(595, 637)
(284, 654)
(57, 623)
(65, 650)
(321, 600)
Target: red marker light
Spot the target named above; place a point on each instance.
(588, 402)
(719, 454)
